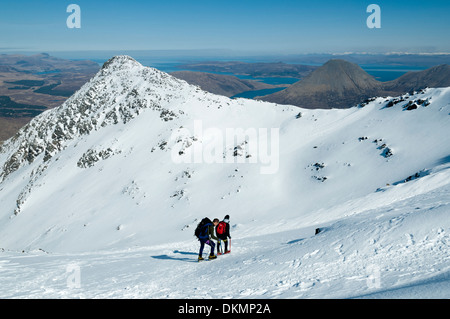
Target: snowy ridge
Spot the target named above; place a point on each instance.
(112, 96)
(109, 182)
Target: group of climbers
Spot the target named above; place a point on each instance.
(208, 231)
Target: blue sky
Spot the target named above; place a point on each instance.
(282, 26)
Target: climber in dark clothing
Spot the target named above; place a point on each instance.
(207, 236)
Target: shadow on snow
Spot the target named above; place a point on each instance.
(187, 259)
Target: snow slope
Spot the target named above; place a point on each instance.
(109, 187)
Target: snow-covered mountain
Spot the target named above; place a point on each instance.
(126, 167)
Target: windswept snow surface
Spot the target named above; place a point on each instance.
(99, 198)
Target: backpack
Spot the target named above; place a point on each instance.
(221, 227)
(201, 232)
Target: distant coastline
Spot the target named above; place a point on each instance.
(381, 72)
(384, 67)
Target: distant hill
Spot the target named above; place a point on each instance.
(342, 84)
(44, 62)
(226, 85)
(438, 76)
(336, 84)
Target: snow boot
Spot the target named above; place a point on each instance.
(200, 258)
(212, 257)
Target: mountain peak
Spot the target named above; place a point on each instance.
(336, 84)
(337, 71)
(118, 93)
(120, 62)
(338, 62)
